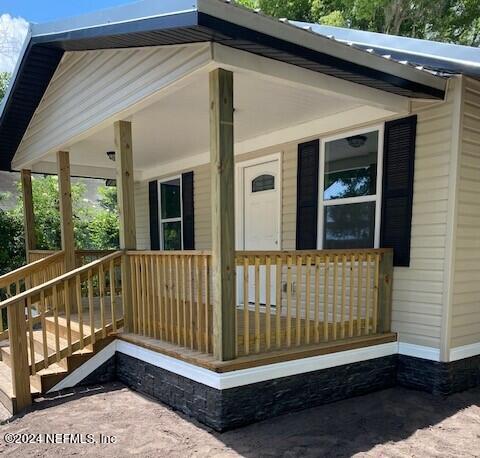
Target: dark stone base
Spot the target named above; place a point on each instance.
(226, 409)
(436, 377)
(106, 373)
(230, 408)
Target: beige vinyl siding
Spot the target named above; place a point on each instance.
(466, 287)
(74, 102)
(418, 295)
(418, 291)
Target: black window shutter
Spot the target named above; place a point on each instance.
(153, 210)
(397, 195)
(307, 195)
(188, 212)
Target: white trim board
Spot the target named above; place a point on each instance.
(419, 351)
(223, 381)
(86, 368)
(465, 351)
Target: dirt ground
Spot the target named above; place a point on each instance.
(393, 423)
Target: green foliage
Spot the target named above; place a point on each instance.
(95, 227)
(4, 79)
(456, 21)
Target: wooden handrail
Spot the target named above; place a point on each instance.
(30, 293)
(28, 269)
(169, 253)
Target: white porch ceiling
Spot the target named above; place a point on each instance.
(177, 126)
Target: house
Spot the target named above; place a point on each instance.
(298, 211)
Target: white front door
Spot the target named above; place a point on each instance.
(261, 217)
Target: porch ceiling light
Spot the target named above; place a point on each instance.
(357, 141)
(111, 155)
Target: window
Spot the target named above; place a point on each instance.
(171, 214)
(349, 212)
(263, 183)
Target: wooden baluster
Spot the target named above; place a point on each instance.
(184, 302)
(200, 312)
(268, 290)
(154, 297)
(207, 302)
(335, 297)
(326, 275)
(55, 317)
(43, 311)
(161, 317)
(352, 290)
(289, 302)
(111, 276)
(101, 281)
(367, 296)
(30, 336)
(298, 301)
(148, 290)
(177, 292)
(257, 305)
(307, 298)
(246, 312)
(78, 291)
(172, 299)
(359, 294)
(138, 279)
(91, 310)
(143, 295)
(316, 312)
(385, 292)
(134, 286)
(344, 296)
(375, 293)
(278, 302)
(190, 283)
(66, 299)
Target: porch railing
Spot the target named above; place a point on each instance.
(171, 297)
(68, 312)
(82, 257)
(293, 299)
(284, 299)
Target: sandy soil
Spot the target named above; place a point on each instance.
(393, 423)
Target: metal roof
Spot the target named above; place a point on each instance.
(433, 56)
(152, 23)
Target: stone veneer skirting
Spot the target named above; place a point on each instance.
(224, 409)
(233, 407)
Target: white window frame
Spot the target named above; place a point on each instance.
(377, 197)
(161, 221)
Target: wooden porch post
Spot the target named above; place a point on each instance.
(223, 219)
(126, 206)
(28, 214)
(66, 214)
(20, 367)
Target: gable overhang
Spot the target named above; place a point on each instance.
(183, 21)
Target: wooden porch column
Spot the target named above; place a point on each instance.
(223, 218)
(28, 214)
(66, 214)
(126, 207)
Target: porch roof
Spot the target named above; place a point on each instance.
(153, 23)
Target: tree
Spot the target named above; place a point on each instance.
(456, 21)
(95, 227)
(4, 79)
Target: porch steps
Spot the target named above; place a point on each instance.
(45, 379)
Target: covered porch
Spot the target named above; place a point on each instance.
(223, 306)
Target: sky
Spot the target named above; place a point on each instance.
(16, 14)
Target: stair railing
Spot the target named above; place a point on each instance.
(25, 277)
(72, 311)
